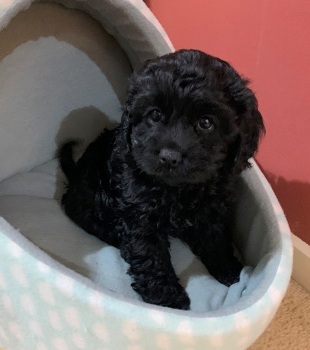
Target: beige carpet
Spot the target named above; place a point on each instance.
(290, 329)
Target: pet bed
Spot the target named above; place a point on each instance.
(64, 67)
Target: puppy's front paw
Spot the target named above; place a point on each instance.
(178, 298)
(173, 296)
(228, 274)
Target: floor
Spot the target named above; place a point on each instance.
(290, 329)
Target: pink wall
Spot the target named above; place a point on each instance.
(269, 42)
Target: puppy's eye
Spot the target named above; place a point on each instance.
(206, 124)
(155, 115)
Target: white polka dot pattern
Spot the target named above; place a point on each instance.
(78, 341)
(44, 309)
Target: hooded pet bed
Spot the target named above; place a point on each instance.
(64, 67)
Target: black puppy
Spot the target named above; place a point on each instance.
(189, 127)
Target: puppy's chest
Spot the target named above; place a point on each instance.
(170, 210)
(184, 214)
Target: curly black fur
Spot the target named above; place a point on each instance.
(189, 127)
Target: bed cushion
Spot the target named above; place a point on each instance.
(64, 73)
(78, 288)
(30, 202)
(57, 81)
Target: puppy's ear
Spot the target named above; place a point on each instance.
(125, 127)
(249, 120)
(126, 122)
(126, 113)
(131, 93)
(247, 141)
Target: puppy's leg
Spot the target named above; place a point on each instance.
(151, 270)
(213, 246)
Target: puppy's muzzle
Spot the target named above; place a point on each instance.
(170, 157)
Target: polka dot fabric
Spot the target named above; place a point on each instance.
(46, 306)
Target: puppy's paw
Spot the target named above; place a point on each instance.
(173, 296)
(228, 274)
(178, 298)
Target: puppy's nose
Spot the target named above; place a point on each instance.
(170, 156)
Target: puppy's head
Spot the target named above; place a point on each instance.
(190, 116)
